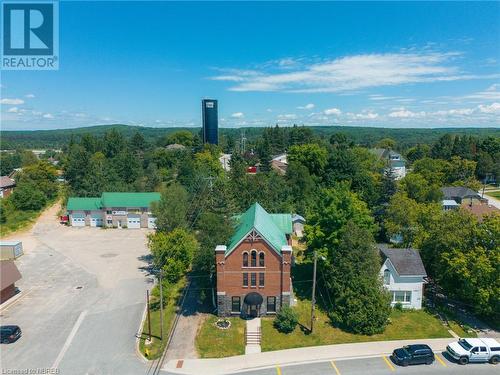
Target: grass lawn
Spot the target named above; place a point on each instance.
(417, 324)
(16, 220)
(212, 342)
(455, 327)
(154, 350)
(494, 194)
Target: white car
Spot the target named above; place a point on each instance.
(475, 350)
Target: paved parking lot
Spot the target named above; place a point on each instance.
(377, 366)
(83, 296)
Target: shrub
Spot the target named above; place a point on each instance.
(398, 306)
(286, 320)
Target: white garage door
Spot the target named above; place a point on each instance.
(77, 220)
(96, 221)
(152, 222)
(133, 221)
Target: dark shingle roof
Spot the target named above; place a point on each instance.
(452, 192)
(407, 262)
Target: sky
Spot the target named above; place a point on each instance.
(388, 64)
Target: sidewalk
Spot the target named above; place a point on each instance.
(295, 356)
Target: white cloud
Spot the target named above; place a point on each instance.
(48, 116)
(351, 73)
(404, 113)
(366, 115)
(11, 101)
(307, 106)
(29, 96)
(238, 115)
(13, 110)
(491, 93)
(289, 116)
(492, 108)
(332, 111)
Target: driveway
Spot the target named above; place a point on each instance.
(83, 296)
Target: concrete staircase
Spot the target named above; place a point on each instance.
(253, 336)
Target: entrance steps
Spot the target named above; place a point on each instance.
(253, 336)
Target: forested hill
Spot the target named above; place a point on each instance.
(362, 135)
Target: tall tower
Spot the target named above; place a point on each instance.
(210, 121)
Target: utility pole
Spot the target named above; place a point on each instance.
(149, 314)
(161, 304)
(313, 299)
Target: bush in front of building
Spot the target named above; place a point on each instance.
(286, 320)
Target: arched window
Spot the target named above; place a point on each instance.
(245, 259)
(254, 259)
(261, 259)
(387, 277)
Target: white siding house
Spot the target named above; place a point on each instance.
(403, 274)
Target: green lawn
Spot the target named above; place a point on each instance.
(154, 350)
(212, 342)
(494, 194)
(415, 324)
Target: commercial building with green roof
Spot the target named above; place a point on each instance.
(113, 209)
(253, 268)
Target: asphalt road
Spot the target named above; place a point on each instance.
(82, 302)
(377, 366)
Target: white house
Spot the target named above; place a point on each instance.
(404, 275)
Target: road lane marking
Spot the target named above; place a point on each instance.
(278, 371)
(335, 367)
(70, 339)
(388, 362)
(440, 360)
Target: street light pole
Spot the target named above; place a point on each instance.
(313, 299)
(161, 304)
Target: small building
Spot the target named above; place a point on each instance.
(11, 250)
(9, 275)
(280, 164)
(253, 269)
(481, 210)
(298, 225)
(175, 147)
(461, 194)
(403, 275)
(393, 160)
(7, 186)
(450, 204)
(113, 210)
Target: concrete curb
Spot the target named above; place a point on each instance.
(138, 337)
(290, 357)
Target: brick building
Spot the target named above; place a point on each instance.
(253, 269)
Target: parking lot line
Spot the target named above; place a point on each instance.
(70, 338)
(388, 362)
(278, 370)
(335, 367)
(440, 360)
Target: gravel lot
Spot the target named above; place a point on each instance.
(83, 296)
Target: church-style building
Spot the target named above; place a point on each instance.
(253, 269)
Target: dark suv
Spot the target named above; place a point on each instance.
(413, 355)
(9, 334)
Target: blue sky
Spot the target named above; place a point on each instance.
(393, 64)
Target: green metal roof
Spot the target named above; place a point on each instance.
(129, 199)
(283, 222)
(83, 204)
(257, 218)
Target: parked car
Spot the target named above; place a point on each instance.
(475, 350)
(416, 354)
(9, 334)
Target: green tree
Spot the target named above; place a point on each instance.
(28, 197)
(335, 207)
(173, 252)
(360, 302)
(182, 137)
(171, 211)
(42, 175)
(387, 143)
(286, 320)
(311, 155)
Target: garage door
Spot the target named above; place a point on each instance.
(133, 221)
(77, 220)
(152, 222)
(96, 221)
